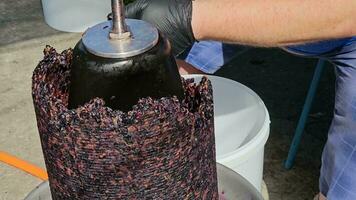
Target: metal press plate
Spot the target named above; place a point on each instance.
(144, 37)
(232, 186)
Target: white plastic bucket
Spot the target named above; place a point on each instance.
(241, 128)
(75, 15)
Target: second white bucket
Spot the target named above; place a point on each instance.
(75, 15)
(241, 128)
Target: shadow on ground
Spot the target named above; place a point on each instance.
(282, 81)
(22, 20)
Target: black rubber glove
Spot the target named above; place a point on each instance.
(172, 17)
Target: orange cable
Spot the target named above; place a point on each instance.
(23, 165)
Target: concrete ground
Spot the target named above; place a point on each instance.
(280, 79)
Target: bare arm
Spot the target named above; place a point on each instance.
(273, 22)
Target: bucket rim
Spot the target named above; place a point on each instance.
(221, 169)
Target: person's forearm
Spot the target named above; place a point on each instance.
(273, 22)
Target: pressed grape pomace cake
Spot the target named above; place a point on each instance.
(161, 149)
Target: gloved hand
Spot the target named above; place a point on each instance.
(172, 17)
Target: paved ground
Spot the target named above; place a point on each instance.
(280, 79)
